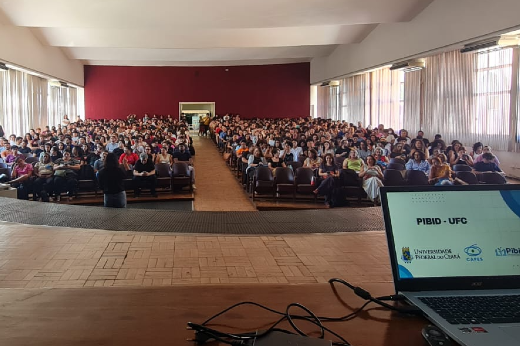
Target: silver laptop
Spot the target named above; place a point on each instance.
(455, 254)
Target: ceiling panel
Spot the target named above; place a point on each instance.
(210, 54)
(206, 13)
(219, 32)
(218, 38)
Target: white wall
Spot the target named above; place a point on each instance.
(20, 47)
(509, 163)
(443, 23)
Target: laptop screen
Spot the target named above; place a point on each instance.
(442, 233)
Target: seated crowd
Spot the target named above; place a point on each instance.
(49, 162)
(339, 152)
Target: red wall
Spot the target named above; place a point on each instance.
(251, 91)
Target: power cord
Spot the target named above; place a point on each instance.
(205, 334)
(360, 292)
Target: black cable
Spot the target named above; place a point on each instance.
(360, 292)
(313, 316)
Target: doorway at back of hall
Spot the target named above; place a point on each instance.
(193, 112)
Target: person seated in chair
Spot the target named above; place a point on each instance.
(24, 149)
(183, 155)
(328, 174)
(11, 158)
(21, 177)
(440, 173)
(144, 173)
(487, 164)
(43, 185)
(128, 159)
(418, 163)
(353, 162)
(66, 175)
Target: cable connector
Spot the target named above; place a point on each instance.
(362, 293)
(201, 338)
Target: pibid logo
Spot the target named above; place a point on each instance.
(431, 221)
(507, 251)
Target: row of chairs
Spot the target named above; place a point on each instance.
(171, 178)
(283, 182)
(394, 177)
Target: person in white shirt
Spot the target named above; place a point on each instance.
(65, 121)
(112, 145)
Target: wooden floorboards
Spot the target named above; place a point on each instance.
(42, 256)
(39, 256)
(217, 187)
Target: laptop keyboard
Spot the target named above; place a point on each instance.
(476, 309)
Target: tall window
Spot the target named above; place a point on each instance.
(492, 91)
(334, 101)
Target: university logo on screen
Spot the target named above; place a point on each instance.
(428, 254)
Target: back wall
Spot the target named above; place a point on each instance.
(252, 91)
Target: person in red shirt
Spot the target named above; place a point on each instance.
(128, 159)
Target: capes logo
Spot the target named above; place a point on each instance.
(473, 252)
(507, 251)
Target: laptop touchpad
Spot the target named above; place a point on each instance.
(512, 331)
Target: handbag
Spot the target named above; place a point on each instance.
(60, 173)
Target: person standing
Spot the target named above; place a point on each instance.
(111, 178)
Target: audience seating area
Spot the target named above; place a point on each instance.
(87, 142)
(393, 153)
(274, 159)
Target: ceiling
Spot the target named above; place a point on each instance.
(203, 32)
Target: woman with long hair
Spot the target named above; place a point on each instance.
(478, 149)
(313, 161)
(418, 163)
(111, 181)
(372, 179)
(418, 145)
(328, 174)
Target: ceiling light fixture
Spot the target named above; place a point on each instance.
(331, 83)
(409, 65)
(492, 44)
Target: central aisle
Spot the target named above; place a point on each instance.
(217, 187)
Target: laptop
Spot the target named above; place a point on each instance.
(455, 254)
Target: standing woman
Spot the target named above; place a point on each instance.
(372, 179)
(111, 181)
